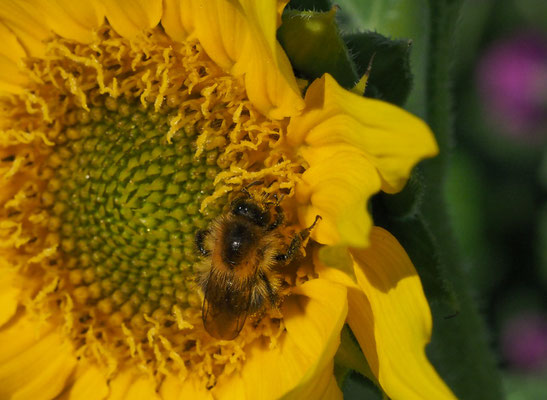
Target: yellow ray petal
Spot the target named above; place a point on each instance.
(131, 384)
(222, 31)
(332, 392)
(178, 18)
(266, 85)
(90, 384)
(73, 19)
(359, 309)
(35, 363)
(8, 295)
(281, 4)
(313, 316)
(322, 386)
(337, 186)
(262, 15)
(391, 138)
(11, 53)
(395, 326)
(174, 388)
(240, 37)
(25, 20)
(142, 389)
(129, 17)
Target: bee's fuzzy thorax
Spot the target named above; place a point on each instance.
(240, 273)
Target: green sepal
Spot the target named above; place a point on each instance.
(390, 75)
(406, 203)
(313, 5)
(314, 46)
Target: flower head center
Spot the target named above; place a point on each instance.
(114, 156)
(125, 204)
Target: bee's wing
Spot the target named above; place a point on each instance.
(222, 323)
(224, 316)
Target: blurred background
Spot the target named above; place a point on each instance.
(497, 182)
(497, 186)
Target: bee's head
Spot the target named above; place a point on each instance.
(250, 210)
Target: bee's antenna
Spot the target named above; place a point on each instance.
(279, 199)
(245, 189)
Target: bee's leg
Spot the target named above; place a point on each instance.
(296, 243)
(279, 218)
(200, 237)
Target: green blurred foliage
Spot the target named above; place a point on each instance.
(310, 5)
(398, 19)
(390, 77)
(525, 386)
(356, 387)
(313, 44)
(497, 187)
(473, 220)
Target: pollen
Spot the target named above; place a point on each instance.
(113, 157)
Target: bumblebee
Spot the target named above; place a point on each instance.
(242, 253)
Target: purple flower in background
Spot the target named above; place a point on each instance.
(512, 80)
(524, 342)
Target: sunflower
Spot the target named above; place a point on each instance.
(127, 126)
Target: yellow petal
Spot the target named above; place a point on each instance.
(130, 17)
(281, 4)
(34, 363)
(221, 29)
(178, 18)
(8, 295)
(90, 384)
(391, 138)
(240, 38)
(394, 326)
(131, 384)
(332, 392)
(24, 19)
(322, 386)
(262, 15)
(11, 53)
(173, 388)
(269, 78)
(316, 332)
(337, 186)
(229, 387)
(73, 19)
(297, 366)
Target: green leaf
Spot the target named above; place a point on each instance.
(314, 47)
(310, 5)
(390, 76)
